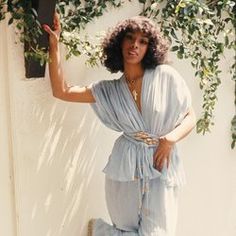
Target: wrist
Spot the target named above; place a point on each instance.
(168, 139)
(54, 47)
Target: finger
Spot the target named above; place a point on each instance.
(56, 16)
(156, 159)
(56, 24)
(161, 162)
(168, 161)
(47, 29)
(158, 163)
(55, 20)
(159, 166)
(158, 156)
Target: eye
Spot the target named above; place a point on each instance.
(144, 41)
(129, 36)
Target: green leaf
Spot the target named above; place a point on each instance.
(201, 30)
(10, 21)
(180, 55)
(226, 40)
(172, 32)
(174, 48)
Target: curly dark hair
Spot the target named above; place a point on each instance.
(157, 49)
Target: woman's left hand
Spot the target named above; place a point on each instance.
(162, 154)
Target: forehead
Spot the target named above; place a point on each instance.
(137, 33)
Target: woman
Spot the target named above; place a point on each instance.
(151, 105)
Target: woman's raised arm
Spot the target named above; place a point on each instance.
(60, 89)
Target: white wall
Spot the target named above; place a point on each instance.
(208, 201)
(59, 150)
(7, 198)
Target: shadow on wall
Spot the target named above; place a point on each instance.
(59, 168)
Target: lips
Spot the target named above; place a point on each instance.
(132, 53)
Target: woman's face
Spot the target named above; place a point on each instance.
(134, 47)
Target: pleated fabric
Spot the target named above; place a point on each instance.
(141, 200)
(154, 215)
(165, 100)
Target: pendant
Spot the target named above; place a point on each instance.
(135, 94)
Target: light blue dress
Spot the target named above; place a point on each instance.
(165, 100)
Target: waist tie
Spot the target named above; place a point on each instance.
(142, 137)
(149, 140)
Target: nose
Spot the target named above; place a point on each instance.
(135, 43)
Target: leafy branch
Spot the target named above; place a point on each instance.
(201, 31)
(198, 30)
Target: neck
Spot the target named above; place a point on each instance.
(133, 72)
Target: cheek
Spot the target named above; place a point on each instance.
(144, 50)
(123, 51)
(124, 47)
(125, 43)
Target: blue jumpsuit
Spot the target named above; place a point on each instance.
(141, 200)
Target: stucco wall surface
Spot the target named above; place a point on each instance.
(7, 197)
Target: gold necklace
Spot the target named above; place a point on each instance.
(133, 92)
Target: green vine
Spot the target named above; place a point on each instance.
(199, 30)
(74, 17)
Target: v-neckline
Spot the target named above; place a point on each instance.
(141, 94)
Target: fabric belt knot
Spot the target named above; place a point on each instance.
(143, 137)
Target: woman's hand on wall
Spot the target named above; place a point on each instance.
(60, 88)
(54, 34)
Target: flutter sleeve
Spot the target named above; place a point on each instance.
(182, 95)
(103, 106)
(174, 101)
(176, 98)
